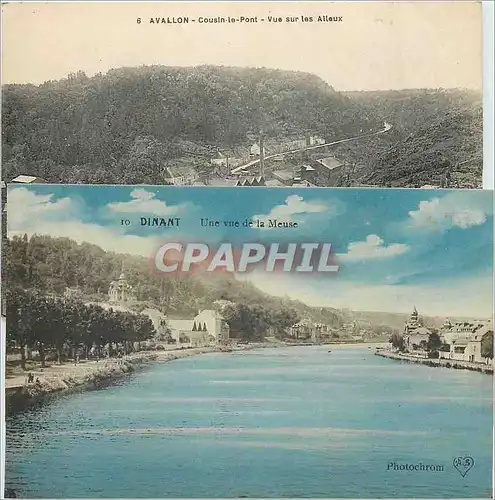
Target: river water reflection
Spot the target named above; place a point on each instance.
(289, 422)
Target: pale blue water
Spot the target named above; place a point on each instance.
(291, 422)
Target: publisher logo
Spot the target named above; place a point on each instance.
(463, 464)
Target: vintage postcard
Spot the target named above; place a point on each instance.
(385, 94)
(167, 342)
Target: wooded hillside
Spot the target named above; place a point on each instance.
(434, 132)
(49, 265)
(124, 126)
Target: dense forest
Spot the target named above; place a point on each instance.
(130, 124)
(437, 138)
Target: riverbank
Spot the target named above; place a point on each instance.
(438, 363)
(86, 375)
(65, 378)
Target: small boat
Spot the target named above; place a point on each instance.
(329, 351)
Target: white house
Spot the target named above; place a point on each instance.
(314, 140)
(159, 321)
(215, 324)
(468, 347)
(206, 328)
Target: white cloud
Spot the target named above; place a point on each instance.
(144, 202)
(30, 213)
(293, 210)
(372, 248)
(25, 206)
(107, 238)
(458, 209)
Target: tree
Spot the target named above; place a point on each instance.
(487, 345)
(397, 341)
(434, 342)
(204, 171)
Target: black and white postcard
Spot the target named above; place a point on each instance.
(385, 94)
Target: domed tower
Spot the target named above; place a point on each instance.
(120, 291)
(414, 315)
(413, 322)
(447, 324)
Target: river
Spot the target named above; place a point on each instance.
(287, 422)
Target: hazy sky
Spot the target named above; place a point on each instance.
(376, 46)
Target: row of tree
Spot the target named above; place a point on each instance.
(69, 327)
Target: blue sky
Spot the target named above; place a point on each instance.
(395, 248)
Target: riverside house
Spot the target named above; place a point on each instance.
(207, 328)
(465, 340)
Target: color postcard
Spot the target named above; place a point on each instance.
(386, 94)
(188, 342)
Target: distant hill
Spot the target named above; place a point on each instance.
(127, 125)
(434, 132)
(397, 320)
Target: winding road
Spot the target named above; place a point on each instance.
(386, 128)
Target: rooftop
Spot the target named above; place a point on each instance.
(284, 174)
(28, 179)
(331, 162)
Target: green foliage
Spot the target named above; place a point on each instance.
(397, 341)
(434, 342)
(252, 322)
(487, 345)
(127, 125)
(436, 139)
(49, 265)
(43, 322)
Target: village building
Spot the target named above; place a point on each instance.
(28, 179)
(181, 176)
(286, 177)
(159, 321)
(251, 181)
(451, 331)
(255, 150)
(464, 339)
(416, 335)
(314, 140)
(208, 327)
(308, 330)
(121, 292)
